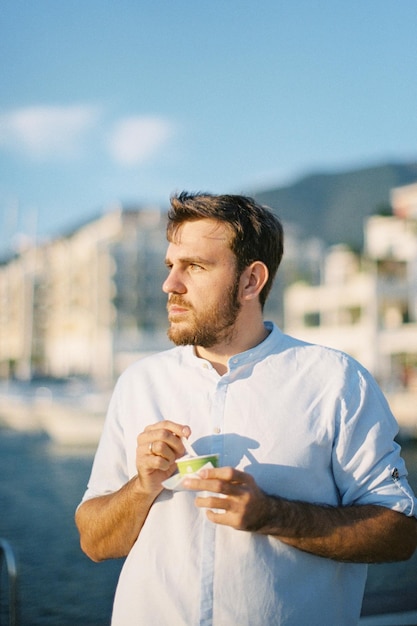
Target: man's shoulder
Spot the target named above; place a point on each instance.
(317, 354)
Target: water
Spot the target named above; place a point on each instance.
(39, 489)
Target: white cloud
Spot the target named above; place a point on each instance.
(136, 139)
(47, 131)
(55, 132)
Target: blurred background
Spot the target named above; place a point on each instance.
(106, 110)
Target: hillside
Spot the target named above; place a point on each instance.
(333, 206)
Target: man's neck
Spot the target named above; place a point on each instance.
(219, 354)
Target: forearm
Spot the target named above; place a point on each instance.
(109, 525)
(367, 534)
(361, 534)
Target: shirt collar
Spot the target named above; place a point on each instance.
(269, 345)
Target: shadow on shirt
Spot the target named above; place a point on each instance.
(234, 449)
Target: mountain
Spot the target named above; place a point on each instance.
(333, 206)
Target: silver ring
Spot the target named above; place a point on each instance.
(150, 447)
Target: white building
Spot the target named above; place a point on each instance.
(71, 305)
(367, 305)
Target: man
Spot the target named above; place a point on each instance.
(311, 486)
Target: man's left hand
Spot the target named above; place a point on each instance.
(241, 502)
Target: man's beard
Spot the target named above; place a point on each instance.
(209, 327)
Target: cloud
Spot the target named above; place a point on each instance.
(42, 132)
(136, 139)
(61, 132)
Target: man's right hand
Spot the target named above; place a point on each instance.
(110, 524)
(158, 447)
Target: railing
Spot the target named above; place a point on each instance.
(6, 554)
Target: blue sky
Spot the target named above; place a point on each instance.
(106, 101)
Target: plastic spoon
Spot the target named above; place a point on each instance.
(188, 447)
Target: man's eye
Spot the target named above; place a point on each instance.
(195, 267)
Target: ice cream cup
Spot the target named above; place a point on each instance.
(191, 464)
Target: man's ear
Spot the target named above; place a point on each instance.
(253, 280)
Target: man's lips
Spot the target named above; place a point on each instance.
(177, 306)
(176, 309)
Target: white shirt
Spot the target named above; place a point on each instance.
(309, 423)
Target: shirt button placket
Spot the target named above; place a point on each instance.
(217, 418)
(209, 529)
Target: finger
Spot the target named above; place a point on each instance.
(180, 430)
(217, 511)
(226, 480)
(208, 500)
(159, 440)
(155, 462)
(218, 517)
(227, 474)
(213, 485)
(160, 448)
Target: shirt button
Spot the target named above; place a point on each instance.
(217, 430)
(206, 366)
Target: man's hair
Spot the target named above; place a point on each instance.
(257, 234)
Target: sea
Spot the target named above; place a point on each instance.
(40, 487)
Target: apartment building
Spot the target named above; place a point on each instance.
(89, 302)
(68, 305)
(367, 305)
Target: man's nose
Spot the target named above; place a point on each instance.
(173, 283)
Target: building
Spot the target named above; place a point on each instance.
(367, 305)
(71, 305)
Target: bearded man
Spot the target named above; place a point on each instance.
(310, 485)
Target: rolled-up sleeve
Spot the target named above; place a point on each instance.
(367, 464)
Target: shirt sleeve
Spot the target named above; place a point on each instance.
(109, 471)
(367, 463)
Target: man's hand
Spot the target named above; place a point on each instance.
(110, 524)
(158, 447)
(361, 534)
(241, 501)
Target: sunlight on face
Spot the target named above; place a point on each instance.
(210, 326)
(203, 285)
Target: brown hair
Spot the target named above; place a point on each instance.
(257, 234)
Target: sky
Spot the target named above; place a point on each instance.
(105, 102)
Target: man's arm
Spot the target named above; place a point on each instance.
(110, 524)
(367, 534)
(360, 534)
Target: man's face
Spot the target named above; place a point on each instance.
(202, 284)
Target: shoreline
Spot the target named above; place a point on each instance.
(79, 419)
